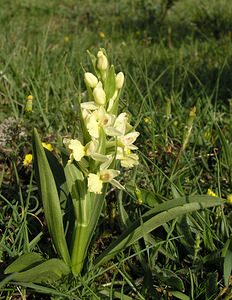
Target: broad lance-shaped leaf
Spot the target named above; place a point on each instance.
(154, 218)
(50, 199)
(49, 270)
(24, 262)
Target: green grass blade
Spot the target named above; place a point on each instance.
(154, 218)
(50, 198)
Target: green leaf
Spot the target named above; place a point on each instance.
(48, 271)
(50, 198)
(207, 233)
(227, 266)
(56, 168)
(171, 279)
(154, 218)
(108, 294)
(24, 262)
(211, 285)
(146, 197)
(124, 218)
(94, 63)
(74, 173)
(46, 290)
(184, 228)
(180, 295)
(110, 84)
(76, 186)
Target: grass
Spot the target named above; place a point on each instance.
(174, 58)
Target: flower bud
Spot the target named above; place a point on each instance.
(102, 61)
(90, 80)
(99, 95)
(119, 80)
(28, 107)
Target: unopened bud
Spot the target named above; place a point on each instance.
(28, 107)
(138, 196)
(192, 112)
(99, 95)
(119, 80)
(90, 80)
(102, 61)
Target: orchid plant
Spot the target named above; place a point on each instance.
(105, 144)
(73, 184)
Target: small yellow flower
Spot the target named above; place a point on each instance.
(211, 193)
(30, 97)
(66, 39)
(101, 34)
(229, 199)
(27, 160)
(47, 146)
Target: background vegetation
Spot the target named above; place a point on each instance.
(176, 55)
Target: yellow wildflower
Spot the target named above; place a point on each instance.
(66, 39)
(211, 193)
(47, 146)
(27, 159)
(101, 34)
(229, 199)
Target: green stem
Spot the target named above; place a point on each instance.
(81, 237)
(90, 211)
(80, 247)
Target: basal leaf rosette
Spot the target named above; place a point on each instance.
(109, 143)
